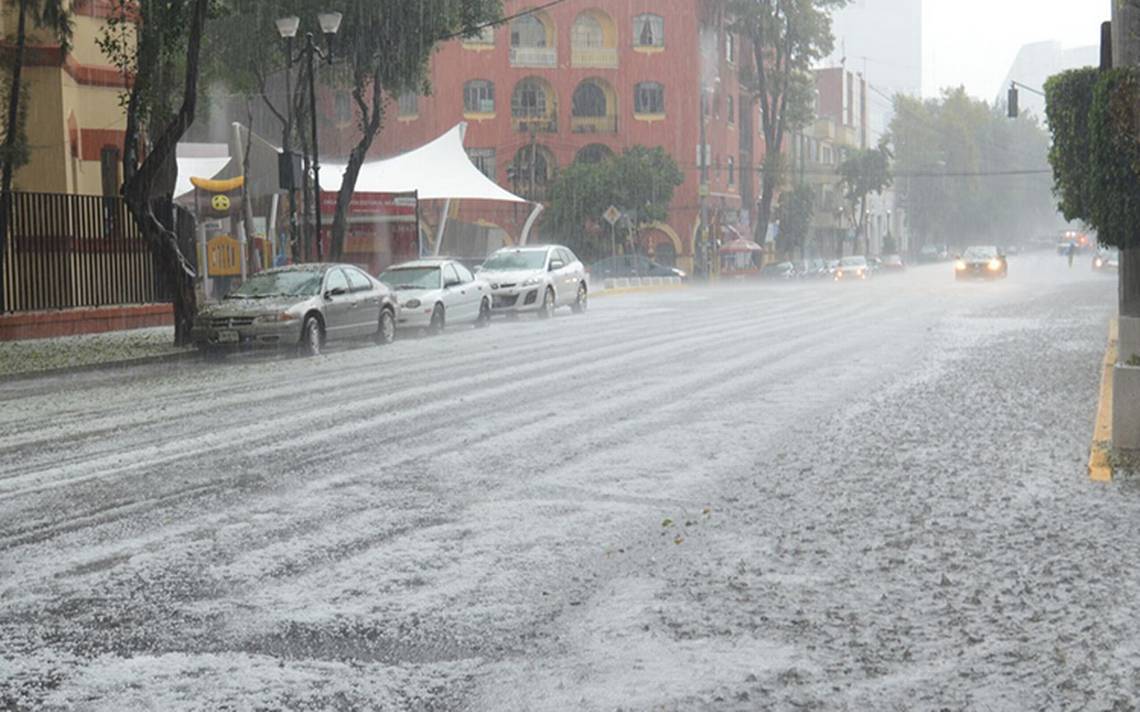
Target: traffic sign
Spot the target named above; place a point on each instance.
(612, 215)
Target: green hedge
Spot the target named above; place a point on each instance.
(1095, 120)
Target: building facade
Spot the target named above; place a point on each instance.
(576, 82)
(75, 124)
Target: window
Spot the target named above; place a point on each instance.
(485, 36)
(716, 104)
(465, 275)
(342, 107)
(731, 170)
(649, 31)
(409, 104)
(594, 153)
(528, 31)
(109, 159)
(649, 98)
(587, 33)
(336, 280)
(731, 109)
(571, 258)
(529, 99)
(730, 47)
(479, 97)
(827, 155)
(589, 100)
(484, 160)
(358, 281)
(450, 276)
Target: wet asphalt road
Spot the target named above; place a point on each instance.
(866, 496)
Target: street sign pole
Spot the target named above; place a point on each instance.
(612, 215)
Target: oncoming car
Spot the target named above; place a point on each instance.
(434, 293)
(302, 306)
(981, 262)
(852, 268)
(1107, 259)
(535, 279)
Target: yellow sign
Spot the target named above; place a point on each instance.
(220, 203)
(223, 256)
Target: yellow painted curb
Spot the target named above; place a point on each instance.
(632, 290)
(1100, 464)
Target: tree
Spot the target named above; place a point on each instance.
(788, 38)
(1068, 99)
(795, 212)
(865, 172)
(157, 43)
(640, 182)
(54, 16)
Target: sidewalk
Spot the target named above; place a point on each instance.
(77, 352)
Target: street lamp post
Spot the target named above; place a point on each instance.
(287, 27)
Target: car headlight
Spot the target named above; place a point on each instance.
(412, 303)
(960, 265)
(275, 318)
(838, 273)
(1098, 262)
(532, 281)
(995, 265)
(861, 271)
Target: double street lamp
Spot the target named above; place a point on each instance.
(287, 27)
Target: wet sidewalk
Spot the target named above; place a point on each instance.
(37, 356)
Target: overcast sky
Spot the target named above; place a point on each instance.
(974, 42)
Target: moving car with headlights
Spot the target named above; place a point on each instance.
(981, 262)
(436, 292)
(1107, 259)
(301, 306)
(624, 266)
(535, 279)
(852, 268)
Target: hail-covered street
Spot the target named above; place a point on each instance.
(852, 496)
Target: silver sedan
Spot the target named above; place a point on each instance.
(302, 306)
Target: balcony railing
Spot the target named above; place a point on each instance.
(534, 57)
(594, 124)
(596, 57)
(540, 124)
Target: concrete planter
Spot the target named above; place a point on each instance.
(1126, 407)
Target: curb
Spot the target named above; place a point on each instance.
(638, 290)
(173, 357)
(1100, 460)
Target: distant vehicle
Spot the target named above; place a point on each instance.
(625, 266)
(981, 262)
(1107, 259)
(778, 270)
(302, 306)
(535, 279)
(853, 269)
(1079, 240)
(928, 253)
(436, 292)
(812, 269)
(893, 263)
(832, 266)
(875, 263)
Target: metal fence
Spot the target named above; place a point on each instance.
(70, 251)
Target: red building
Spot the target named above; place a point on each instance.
(580, 80)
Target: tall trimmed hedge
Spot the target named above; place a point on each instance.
(1068, 100)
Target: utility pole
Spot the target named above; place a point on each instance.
(702, 235)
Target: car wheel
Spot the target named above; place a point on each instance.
(312, 336)
(484, 319)
(438, 320)
(547, 309)
(386, 332)
(583, 301)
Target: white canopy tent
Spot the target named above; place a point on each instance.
(439, 170)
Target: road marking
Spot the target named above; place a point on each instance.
(1100, 463)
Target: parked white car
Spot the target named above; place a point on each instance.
(536, 279)
(436, 292)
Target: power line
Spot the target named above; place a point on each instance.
(496, 23)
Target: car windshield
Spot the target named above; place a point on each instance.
(853, 262)
(980, 253)
(515, 260)
(412, 278)
(289, 283)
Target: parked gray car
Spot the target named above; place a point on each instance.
(300, 306)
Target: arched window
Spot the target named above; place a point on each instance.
(479, 97)
(528, 31)
(649, 98)
(649, 31)
(529, 99)
(587, 33)
(594, 153)
(520, 172)
(589, 100)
